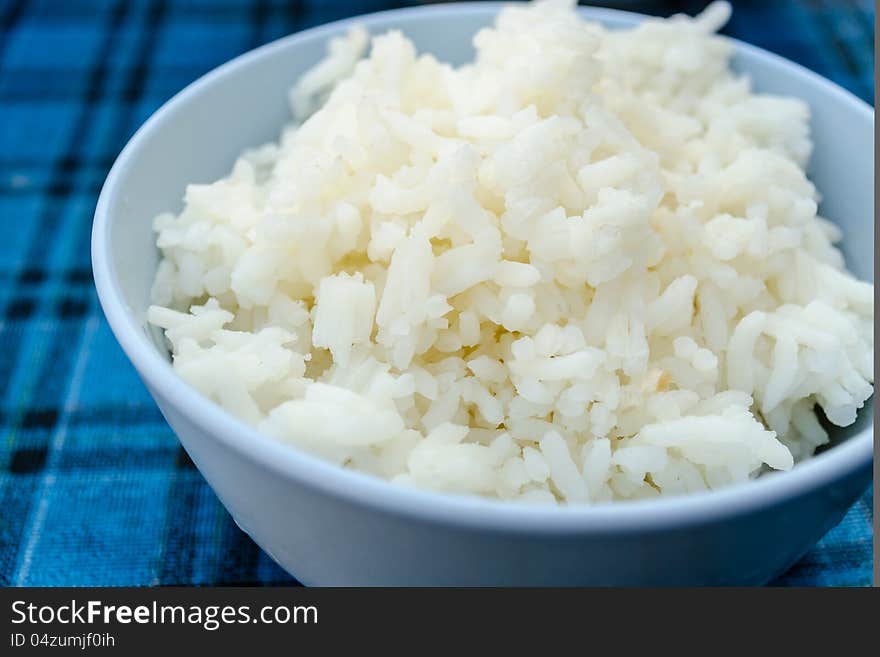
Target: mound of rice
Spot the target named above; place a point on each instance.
(585, 267)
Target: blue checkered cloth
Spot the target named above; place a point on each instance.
(94, 488)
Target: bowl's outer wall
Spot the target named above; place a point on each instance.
(331, 541)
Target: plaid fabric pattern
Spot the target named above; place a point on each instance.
(94, 489)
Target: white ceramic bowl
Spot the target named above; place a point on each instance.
(331, 526)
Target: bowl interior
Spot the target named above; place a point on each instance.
(197, 136)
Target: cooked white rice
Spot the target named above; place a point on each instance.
(585, 267)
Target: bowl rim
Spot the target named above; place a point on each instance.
(372, 492)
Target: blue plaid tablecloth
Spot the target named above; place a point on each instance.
(94, 488)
